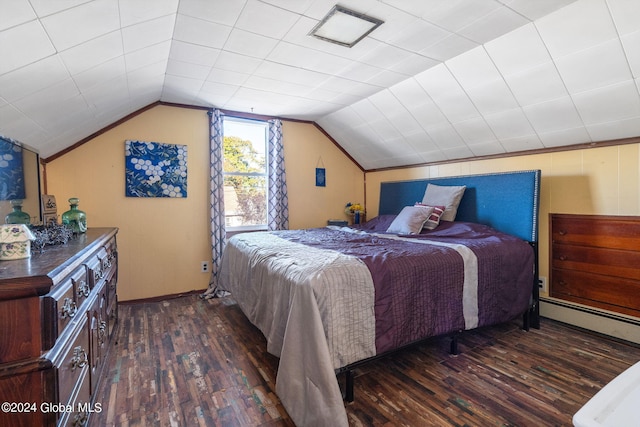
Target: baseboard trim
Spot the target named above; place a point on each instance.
(602, 321)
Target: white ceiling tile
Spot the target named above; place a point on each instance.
(428, 114)
(518, 50)
(473, 68)
(576, 27)
(239, 63)
(631, 46)
(564, 137)
(554, 115)
(103, 72)
(253, 19)
(15, 13)
(221, 11)
(626, 15)
(93, 52)
(187, 69)
(296, 75)
(249, 44)
(32, 78)
(187, 52)
(150, 55)
(461, 152)
(487, 148)
(522, 143)
(536, 9)
(445, 91)
(66, 114)
(492, 97)
(414, 34)
(448, 48)
(510, 124)
(492, 25)
(445, 135)
(148, 33)
(409, 93)
(88, 21)
(48, 7)
(200, 32)
(537, 84)
(625, 128)
(454, 15)
(136, 12)
(103, 95)
(33, 45)
(227, 77)
(601, 65)
(475, 131)
(607, 104)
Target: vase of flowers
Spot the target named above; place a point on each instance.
(355, 211)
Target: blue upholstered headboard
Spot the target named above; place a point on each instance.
(507, 201)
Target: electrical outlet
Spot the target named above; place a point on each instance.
(542, 284)
(204, 266)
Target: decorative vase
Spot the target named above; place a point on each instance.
(74, 217)
(17, 216)
(356, 217)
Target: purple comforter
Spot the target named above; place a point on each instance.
(419, 287)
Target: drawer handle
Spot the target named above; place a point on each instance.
(562, 258)
(69, 308)
(84, 289)
(562, 232)
(102, 331)
(79, 359)
(80, 419)
(98, 274)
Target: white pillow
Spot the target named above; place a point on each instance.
(448, 196)
(410, 220)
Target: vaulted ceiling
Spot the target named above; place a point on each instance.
(439, 80)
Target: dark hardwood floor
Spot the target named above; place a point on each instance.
(193, 362)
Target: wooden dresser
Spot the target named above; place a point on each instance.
(58, 313)
(595, 260)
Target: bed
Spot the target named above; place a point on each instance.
(327, 299)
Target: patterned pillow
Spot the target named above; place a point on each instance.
(448, 196)
(434, 219)
(410, 220)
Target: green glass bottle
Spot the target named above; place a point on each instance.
(17, 216)
(74, 217)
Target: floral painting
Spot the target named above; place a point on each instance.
(154, 169)
(11, 171)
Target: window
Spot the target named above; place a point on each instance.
(245, 173)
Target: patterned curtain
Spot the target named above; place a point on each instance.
(278, 204)
(216, 188)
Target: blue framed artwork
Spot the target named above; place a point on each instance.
(11, 171)
(154, 169)
(321, 177)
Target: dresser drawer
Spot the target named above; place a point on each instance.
(80, 403)
(607, 232)
(60, 308)
(611, 262)
(96, 267)
(611, 293)
(75, 360)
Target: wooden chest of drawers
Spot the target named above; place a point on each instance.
(58, 314)
(595, 260)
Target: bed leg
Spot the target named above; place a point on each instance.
(348, 386)
(453, 346)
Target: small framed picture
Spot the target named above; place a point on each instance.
(321, 177)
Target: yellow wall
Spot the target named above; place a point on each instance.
(603, 181)
(162, 241)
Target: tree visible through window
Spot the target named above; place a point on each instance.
(245, 173)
